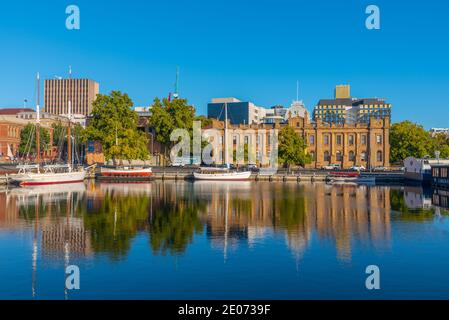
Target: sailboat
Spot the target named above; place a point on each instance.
(222, 174)
(124, 171)
(32, 175)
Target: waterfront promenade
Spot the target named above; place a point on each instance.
(178, 173)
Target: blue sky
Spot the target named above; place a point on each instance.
(251, 49)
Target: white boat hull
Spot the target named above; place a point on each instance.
(225, 176)
(37, 179)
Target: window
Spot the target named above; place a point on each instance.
(435, 172)
(363, 156)
(364, 139)
(339, 140)
(312, 140)
(339, 156)
(351, 156)
(235, 140)
(327, 156)
(379, 156)
(326, 140)
(312, 156)
(379, 139)
(351, 140)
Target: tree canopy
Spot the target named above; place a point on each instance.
(115, 125)
(166, 116)
(408, 139)
(28, 140)
(292, 148)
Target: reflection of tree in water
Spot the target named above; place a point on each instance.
(290, 209)
(290, 214)
(116, 222)
(173, 225)
(399, 205)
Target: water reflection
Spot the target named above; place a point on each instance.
(79, 221)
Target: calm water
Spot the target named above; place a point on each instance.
(222, 240)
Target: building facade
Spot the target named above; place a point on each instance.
(439, 131)
(344, 109)
(81, 92)
(361, 144)
(12, 122)
(239, 112)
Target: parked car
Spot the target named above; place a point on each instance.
(332, 167)
(380, 169)
(251, 167)
(357, 168)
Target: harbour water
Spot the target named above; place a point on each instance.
(208, 240)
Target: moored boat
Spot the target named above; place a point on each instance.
(126, 172)
(221, 175)
(225, 173)
(48, 177)
(34, 175)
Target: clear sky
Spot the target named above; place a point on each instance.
(251, 49)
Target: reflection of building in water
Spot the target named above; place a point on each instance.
(9, 212)
(352, 213)
(343, 214)
(417, 198)
(441, 198)
(66, 236)
(50, 210)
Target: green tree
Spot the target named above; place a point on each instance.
(114, 125)
(167, 116)
(408, 139)
(28, 139)
(292, 148)
(441, 144)
(59, 133)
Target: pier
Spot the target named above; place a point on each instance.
(282, 175)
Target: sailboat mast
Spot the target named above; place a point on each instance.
(38, 121)
(69, 113)
(226, 136)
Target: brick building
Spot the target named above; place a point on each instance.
(11, 125)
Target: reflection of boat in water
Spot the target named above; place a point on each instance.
(49, 192)
(221, 186)
(79, 187)
(350, 177)
(125, 188)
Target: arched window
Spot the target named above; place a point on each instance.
(327, 156)
(363, 156)
(351, 156)
(339, 156)
(379, 156)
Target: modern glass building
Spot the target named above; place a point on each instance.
(239, 112)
